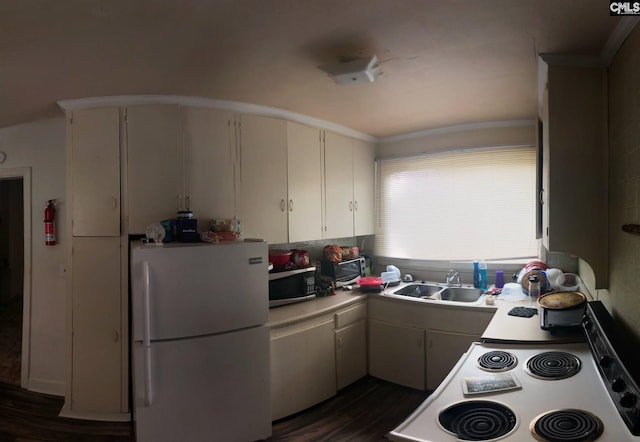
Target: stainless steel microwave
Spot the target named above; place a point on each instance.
(292, 286)
(344, 272)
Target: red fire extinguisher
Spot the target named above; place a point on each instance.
(49, 218)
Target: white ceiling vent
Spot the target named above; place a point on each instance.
(361, 70)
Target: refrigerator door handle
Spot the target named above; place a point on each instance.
(146, 336)
(146, 326)
(148, 393)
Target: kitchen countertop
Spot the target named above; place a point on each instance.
(505, 328)
(301, 311)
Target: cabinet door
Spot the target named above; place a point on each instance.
(262, 199)
(304, 182)
(397, 353)
(363, 187)
(303, 368)
(154, 165)
(96, 353)
(209, 152)
(351, 353)
(444, 349)
(95, 172)
(338, 160)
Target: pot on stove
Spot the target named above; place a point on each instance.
(562, 310)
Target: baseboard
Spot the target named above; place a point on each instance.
(106, 417)
(56, 388)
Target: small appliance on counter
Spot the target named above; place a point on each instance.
(186, 227)
(290, 286)
(344, 272)
(561, 311)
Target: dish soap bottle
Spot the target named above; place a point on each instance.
(482, 269)
(476, 274)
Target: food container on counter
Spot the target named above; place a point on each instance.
(279, 258)
(568, 282)
(370, 284)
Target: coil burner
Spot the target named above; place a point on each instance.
(478, 420)
(567, 425)
(552, 365)
(497, 360)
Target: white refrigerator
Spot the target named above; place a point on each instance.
(200, 342)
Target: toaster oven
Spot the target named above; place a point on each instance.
(344, 272)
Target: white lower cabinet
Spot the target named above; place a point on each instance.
(98, 383)
(417, 345)
(303, 366)
(444, 350)
(351, 353)
(397, 353)
(351, 344)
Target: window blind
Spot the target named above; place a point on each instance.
(458, 205)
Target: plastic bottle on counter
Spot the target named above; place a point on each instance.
(476, 274)
(534, 289)
(499, 279)
(482, 269)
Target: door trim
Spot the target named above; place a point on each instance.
(25, 174)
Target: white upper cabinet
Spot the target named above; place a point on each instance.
(338, 179)
(208, 137)
(179, 158)
(349, 186)
(95, 172)
(155, 164)
(304, 185)
(280, 180)
(262, 196)
(573, 115)
(363, 187)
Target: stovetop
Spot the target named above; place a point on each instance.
(575, 384)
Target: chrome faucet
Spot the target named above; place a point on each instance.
(453, 279)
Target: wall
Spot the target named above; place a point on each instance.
(41, 146)
(624, 184)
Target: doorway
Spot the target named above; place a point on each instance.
(15, 274)
(11, 278)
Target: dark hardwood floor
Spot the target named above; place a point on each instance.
(364, 411)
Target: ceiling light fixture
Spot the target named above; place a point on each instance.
(361, 70)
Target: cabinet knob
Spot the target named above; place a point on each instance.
(116, 336)
(283, 207)
(290, 205)
(350, 206)
(355, 205)
(114, 202)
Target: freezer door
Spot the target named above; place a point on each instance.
(184, 291)
(213, 388)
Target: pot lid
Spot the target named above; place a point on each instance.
(561, 300)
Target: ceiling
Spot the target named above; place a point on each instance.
(445, 62)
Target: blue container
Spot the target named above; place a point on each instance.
(476, 275)
(482, 266)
